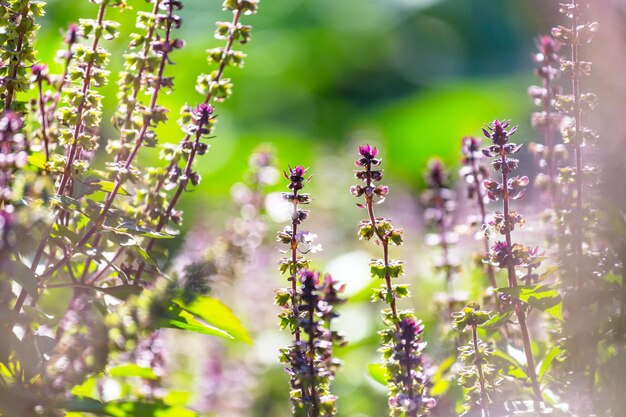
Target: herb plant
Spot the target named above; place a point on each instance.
(105, 309)
(401, 340)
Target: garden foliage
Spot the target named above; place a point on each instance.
(88, 288)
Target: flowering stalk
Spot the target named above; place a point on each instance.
(136, 122)
(40, 379)
(82, 115)
(65, 57)
(475, 174)
(503, 253)
(573, 105)
(577, 218)
(441, 203)
(293, 238)
(308, 311)
(149, 74)
(40, 73)
(150, 353)
(82, 346)
(141, 72)
(217, 89)
(213, 85)
(547, 121)
(17, 17)
(309, 361)
(401, 340)
(479, 377)
(151, 116)
(47, 102)
(12, 158)
(229, 267)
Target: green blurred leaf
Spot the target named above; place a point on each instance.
(177, 318)
(378, 372)
(215, 313)
(510, 366)
(441, 384)
(497, 320)
(551, 270)
(23, 275)
(474, 102)
(40, 317)
(126, 408)
(67, 203)
(122, 292)
(136, 230)
(107, 187)
(132, 370)
(546, 363)
(38, 160)
(541, 297)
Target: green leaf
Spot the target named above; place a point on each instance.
(551, 270)
(67, 203)
(378, 372)
(132, 370)
(515, 368)
(23, 275)
(127, 240)
(497, 320)
(177, 318)
(40, 317)
(122, 292)
(546, 363)
(107, 187)
(126, 408)
(213, 312)
(441, 384)
(541, 297)
(84, 404)
(38, 160)
(133, 229)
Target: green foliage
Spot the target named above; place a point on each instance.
(126, 408)
(216, 314)
(541, 297)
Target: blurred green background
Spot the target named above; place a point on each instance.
(413, 76)
(410, 76)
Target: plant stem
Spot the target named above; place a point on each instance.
(75, 147)
(314, 399)
(44, 119)
(182, 184)
(577, 232)
(384, 240)
(480, 198)
(62, 83)
(446, 251)
(548, 140)
(140, 70)
(408, 379)
(484, 401)
(294, 263)
(512, 280)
